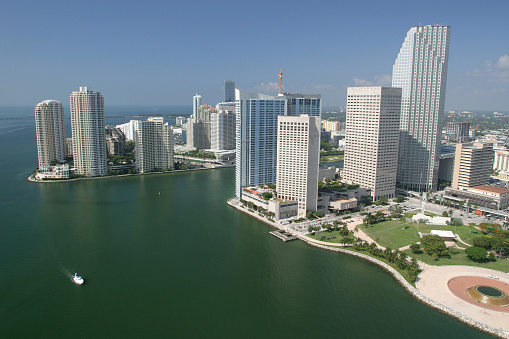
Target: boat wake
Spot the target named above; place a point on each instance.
(69, 273)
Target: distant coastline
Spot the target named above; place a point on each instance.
(31, 177)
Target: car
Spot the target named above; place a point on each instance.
(494, 277)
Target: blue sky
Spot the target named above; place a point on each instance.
(163, 52)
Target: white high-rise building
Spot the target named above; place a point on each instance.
(372, 139)
(127, 129)
(87, 122)
(50, 133)
(153, 145)
(196, 104)
(229, 91)
(421, 71)
(222, 130)
(256, 133)
(298, 158)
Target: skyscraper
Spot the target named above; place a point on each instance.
(298, 157)
(196, 104)
(87, 123)
(153, 145)
(229, 91)
(256, 133)
(421, 71)
(222, 130)
(50, 133)
(372, 138)
(472, 165)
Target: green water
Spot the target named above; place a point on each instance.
(164, 256)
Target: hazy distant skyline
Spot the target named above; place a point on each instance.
(163, 53)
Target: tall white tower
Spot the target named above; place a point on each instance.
(421, 71)
(372, 138)
(87, 122)
(298, 158)
(154, 145)
(50, 133)
(196, 104)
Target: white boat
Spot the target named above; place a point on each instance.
(77, 279)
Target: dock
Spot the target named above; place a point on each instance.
(283, 235)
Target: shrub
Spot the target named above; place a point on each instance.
(476, 253)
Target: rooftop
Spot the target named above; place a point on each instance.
(490, 189)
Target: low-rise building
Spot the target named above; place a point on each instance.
(483, 195)
(55, 172)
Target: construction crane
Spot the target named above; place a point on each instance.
(280, 76)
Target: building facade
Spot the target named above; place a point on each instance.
(153, 145)
(472, 165)
(256, 133)
(222, 130)
(298, 158)
(372, 139)
(196, 104)
(127, 129)
(87, 123)
(198, 134)
(115, 141)
(229, 91)
(204, 111)
(50, 133)
(421, 71)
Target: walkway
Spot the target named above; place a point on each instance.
(432, 283)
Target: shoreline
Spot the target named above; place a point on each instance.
(413, 291)
(31, 176)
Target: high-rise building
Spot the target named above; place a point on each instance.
(222, 130)
(501, 164)
(87, 123)
(229, 91)
(127, 129)
(298, 158)
(153, 145)
(372, 139)
(204, 111)
(256, 133)
(115, 141)
(456, 131)
(50, 133)
(196, 104)
(472, 165)
(421, 71)
(198, 134)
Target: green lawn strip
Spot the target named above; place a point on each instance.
(331, 158)
(336, 240)
(396, 233)
(458, 257)
(411, 214)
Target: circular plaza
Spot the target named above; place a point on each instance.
(479, 293)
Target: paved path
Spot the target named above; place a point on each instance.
(432, 283)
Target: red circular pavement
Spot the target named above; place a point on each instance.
(460, 285)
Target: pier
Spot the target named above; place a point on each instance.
(283, 235)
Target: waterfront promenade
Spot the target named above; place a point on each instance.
(431, 285)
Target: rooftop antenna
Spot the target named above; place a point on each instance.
(280, 76)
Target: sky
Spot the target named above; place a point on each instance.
(163, 52)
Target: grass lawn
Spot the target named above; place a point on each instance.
(331, 158)
(458, 257)
(396, 233)
(319, 234)
(411, 214)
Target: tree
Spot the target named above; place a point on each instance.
(266, 195)
(483, 241)
(451, 212)
(399, 199)
(455, 222)
(310, 229)
(476, 253)
(445, 214)
(415, 248)
(433, 244)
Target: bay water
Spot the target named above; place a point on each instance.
(164, 256)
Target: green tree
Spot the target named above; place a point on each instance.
(483, 241)
(476, 253)
(266, 195)
(399, 199)
(445, 214)
(433, 244)
(415, 248)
